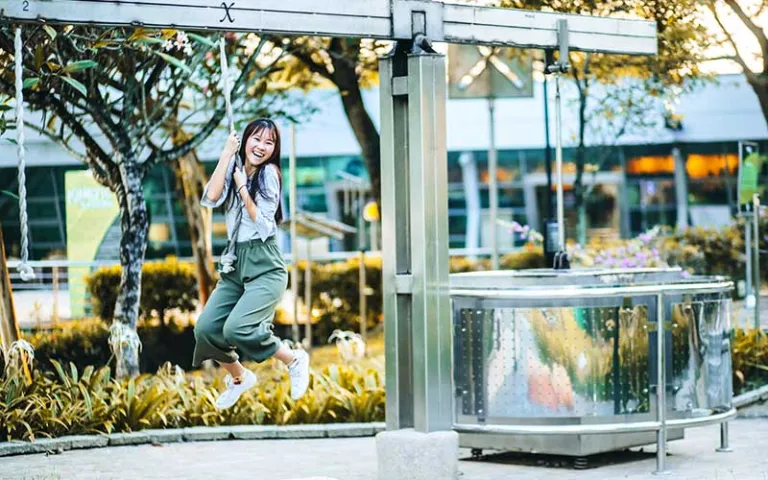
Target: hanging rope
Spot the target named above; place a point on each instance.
(25, 271)
(228, 93)
(229, 256)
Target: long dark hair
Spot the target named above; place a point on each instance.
(257, 187)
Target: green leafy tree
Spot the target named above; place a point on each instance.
(111, 96)
(349, 65)
(617, 94)
(733, 17)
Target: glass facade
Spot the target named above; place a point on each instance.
(644, 192)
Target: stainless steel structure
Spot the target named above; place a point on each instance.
(384, 19)
(571, 362)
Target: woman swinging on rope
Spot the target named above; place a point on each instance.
(239, 313)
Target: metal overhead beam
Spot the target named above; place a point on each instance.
(381, 19)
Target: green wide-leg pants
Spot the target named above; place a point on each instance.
(239, 313)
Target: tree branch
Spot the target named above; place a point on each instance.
(154, 76)
(57, 140)
(185, 147)
(100, 176)
(737, 56)
(93, 149)
(753, 27)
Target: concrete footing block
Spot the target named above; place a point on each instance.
(417, 456)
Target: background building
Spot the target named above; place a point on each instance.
(648, 177)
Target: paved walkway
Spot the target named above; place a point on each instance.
(355, 459)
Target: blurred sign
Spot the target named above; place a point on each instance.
(93, 230)
(750, 166)
(489, 72)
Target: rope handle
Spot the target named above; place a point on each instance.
(228, 95)
(25, 270)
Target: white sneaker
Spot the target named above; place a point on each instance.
(299, 372)
(230, 396)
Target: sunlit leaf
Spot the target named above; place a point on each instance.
(76, 85)
(31, 82)
(80, 66)
(175, 62)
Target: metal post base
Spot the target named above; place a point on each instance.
(724, 444)
(661, 453)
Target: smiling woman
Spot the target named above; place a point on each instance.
(240, 311)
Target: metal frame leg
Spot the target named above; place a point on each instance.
(661, 391)
(724, 444)
(661, 452)
(417, 308)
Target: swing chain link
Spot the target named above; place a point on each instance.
(25, 270)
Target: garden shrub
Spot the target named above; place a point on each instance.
(73, 401)
(165, 285)
(85, 342)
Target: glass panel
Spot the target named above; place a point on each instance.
(158, 206)
(511, 197)
(657, 192)
(701, 355)
(552, 362)
(633, 193)
(709, 192)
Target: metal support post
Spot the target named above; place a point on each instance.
(417, 316)
(308, 297)
(559, 167)
(363, 300)
(55, 287)
(493, 185)
(756, 256)
(558, 68)
(548, 60)
(294, 236)
(681, 189)
(750, 299)
(724, 444)
(661, 391)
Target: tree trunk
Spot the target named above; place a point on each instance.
(366, 134)
(344, 76)
(9, 329)
(760, 87)
(133, 244)
(190, 178)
